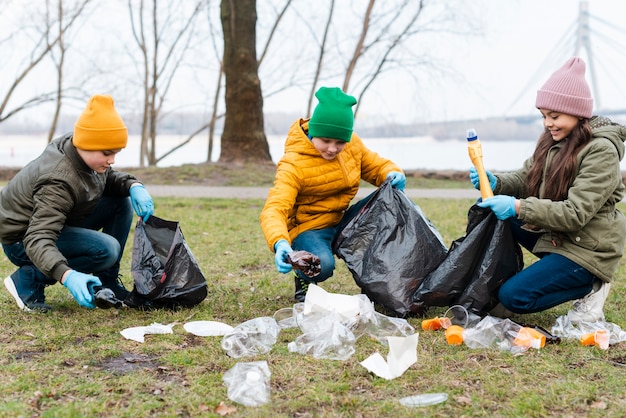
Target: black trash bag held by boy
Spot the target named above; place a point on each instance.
(165, 272)
(389, 247)
(476, 266)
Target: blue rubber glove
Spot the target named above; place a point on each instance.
(79, 285)
(473, 175)
(398, 180)
(502, 206)
(282, 249)
(142, 202)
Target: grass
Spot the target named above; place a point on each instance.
(73, 362)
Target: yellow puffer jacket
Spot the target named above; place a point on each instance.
(312, 193)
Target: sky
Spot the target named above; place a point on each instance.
(523, 42)
(498, 71)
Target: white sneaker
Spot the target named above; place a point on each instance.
(590, 308)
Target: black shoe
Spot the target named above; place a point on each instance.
(302, 287)
(116, 285)
(27, 290)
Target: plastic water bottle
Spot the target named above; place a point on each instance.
(476, 155)
(250, 338)
(248, 383)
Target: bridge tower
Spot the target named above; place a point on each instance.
(583, 41)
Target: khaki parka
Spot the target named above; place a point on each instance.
(55, 189)
(586, 227)
(310, 192)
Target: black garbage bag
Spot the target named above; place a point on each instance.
(165, 272)
(389, 247)
(476, 266)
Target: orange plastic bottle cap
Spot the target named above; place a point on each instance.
(454, 335)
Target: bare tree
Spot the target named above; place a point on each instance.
(59, 61)
(243, 138)
(53, 29)
(163, 35)
(320, 59)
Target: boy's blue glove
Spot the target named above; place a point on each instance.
(502, 206)
(398, 180)
(141, 201)
(473, 175)
(79, 284)
(282, 249)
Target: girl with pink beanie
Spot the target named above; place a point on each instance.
(561, 203)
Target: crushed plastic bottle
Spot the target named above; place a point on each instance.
(250, 338)
(502, 334)
(248, 383)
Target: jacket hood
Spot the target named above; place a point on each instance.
(298, 141)
(603, 127)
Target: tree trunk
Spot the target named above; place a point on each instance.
(243, 138)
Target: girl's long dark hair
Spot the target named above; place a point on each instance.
(562, 171)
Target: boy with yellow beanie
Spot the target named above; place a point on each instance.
(316, 179)
(65, 217)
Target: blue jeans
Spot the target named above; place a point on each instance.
(319, 242)
(546, 283)
(86, 249)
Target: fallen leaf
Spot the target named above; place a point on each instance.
(223, 409)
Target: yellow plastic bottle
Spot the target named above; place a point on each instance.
(476, 156)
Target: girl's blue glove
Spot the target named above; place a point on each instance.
(398, 180)
(502, 206)
(282, 249)
(141, 201)
(79, 284)
(473, 175)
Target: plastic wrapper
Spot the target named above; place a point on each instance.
(248, 383)
(502, 334)
(250, 338)
(306, 262)
(475, 267)
(326, 338)
(165, 272)
(564, 328)
(389, 247)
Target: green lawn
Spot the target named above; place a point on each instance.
(74, 362)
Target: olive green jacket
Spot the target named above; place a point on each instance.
(55, 189)
(586, 227)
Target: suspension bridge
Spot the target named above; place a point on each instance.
(602, 45)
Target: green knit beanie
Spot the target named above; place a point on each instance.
(332, 117)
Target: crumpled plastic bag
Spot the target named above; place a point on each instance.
(389, 247)
(474, 268)
(564, 328)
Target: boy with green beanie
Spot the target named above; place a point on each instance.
(316, 179)
(51, 212)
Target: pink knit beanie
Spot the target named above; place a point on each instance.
(566, 91)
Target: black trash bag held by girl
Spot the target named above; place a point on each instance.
(477, 264)
(389, 247)
(164, 270)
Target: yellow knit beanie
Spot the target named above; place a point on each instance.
(100, 127)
